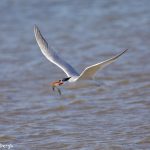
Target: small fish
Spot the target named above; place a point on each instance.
(58, 90)
(55, 85)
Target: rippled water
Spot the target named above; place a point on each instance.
(112, 116)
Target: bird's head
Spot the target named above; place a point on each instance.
(59, 82)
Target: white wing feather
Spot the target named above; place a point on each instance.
(52, 56)
(91, 70)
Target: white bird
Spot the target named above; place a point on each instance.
(72, 75)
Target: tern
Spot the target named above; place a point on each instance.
(72, 74)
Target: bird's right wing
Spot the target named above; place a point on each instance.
(91, 70)
(51, 55)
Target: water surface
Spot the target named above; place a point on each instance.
(112, 116)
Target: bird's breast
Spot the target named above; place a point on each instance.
(73, 79)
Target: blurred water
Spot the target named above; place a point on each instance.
(112, 116)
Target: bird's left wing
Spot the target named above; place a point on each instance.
(52, 56)
(91, 70)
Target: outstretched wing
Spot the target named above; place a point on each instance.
(51, 55)
(91, 70)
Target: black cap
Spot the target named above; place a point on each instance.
(66, 79)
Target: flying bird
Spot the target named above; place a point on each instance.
(72, 74)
